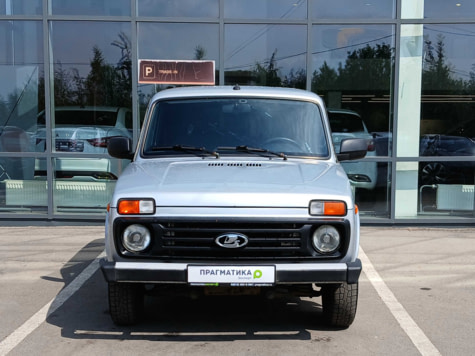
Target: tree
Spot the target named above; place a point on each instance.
(436, 73)
(324, 79)
(368, 68)
(269, 75)
(105, 84)
(124, 70)
(200, 52)
(297, 79)
(64, 91)
(438, 78)
(97, 79)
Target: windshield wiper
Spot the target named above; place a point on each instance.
(199, 151)
(247, 149)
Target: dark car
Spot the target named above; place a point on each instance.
(448, 172)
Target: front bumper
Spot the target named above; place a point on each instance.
(285, 273)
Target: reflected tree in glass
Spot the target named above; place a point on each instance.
(105, 84)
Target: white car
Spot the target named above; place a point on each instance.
(233, 190)
(84, 130)
(349, 124)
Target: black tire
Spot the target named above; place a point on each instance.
(339, 304)
(434, 173)
(126, 302)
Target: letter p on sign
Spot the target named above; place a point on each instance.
(149, 71)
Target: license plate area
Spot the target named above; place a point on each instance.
(231, 291)
(240, 276)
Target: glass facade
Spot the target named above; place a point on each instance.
(269, 55)
(91, 7)
(399, 72)
(266, 9)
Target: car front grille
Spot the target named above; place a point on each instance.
(265, 241)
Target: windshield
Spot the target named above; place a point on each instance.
(220, 124)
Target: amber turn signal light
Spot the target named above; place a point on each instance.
(327, 208)
(136, 206)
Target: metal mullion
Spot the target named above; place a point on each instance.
(308, 65)
(395, 102)
(88, 18)
(235, 21)
(134, 79)
(176, 19)
(453, 21)
(49, 104)
(221, 43)
(21, 17)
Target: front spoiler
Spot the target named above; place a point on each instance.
(286, 273)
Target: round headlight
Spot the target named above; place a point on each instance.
(136, 238)
(326, 239)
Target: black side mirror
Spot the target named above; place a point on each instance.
(352, 148)
(120, 147)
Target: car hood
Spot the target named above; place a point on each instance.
(233, 183)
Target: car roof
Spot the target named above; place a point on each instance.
(343, 111)
(238, 91)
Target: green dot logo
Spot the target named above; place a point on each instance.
(257, 274)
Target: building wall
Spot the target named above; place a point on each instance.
(406, 68)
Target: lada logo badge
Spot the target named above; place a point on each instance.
(232, 240)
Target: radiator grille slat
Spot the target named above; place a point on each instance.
(198, 240)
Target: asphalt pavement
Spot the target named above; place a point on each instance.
(416, 298)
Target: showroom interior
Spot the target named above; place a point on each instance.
(399, 72)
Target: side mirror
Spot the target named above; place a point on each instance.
(352, 148)
(120, 147)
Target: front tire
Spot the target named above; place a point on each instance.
(126, 302)
(339, 304)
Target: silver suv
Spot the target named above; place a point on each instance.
(234, 190)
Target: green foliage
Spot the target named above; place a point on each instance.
(268, 75)
(106, 84)
(297, 79)
(367, 68)
(200, 52)
(437, 74)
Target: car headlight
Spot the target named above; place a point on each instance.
(326, 239)
(136, 238)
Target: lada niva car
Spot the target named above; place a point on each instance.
(234, 190)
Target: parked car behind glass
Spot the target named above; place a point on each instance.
(349, 124)
(85, 130)
(446, 172)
